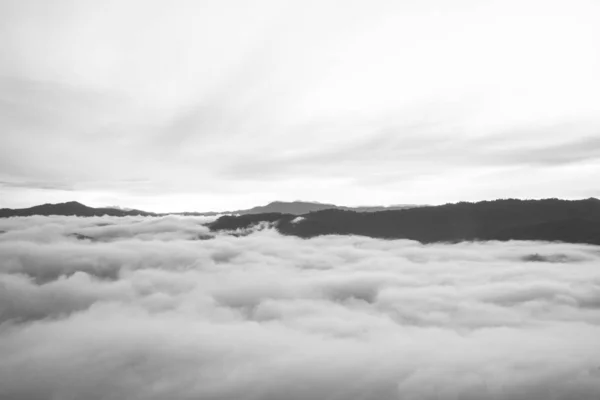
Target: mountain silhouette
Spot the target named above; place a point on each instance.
(572, 221)
(69, 208)
(294, 207)
(78, 209)
(299, 208)
(509, 219)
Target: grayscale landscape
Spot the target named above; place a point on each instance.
(299, 199)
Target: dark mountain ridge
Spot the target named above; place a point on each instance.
(283, 207)
(69, 208)
(300, 208)
(76, 208)
(574, 221)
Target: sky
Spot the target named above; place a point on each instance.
(221, 105)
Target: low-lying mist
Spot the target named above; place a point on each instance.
(161, 308)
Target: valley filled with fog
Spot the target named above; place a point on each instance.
(161, 307)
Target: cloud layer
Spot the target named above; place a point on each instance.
(154, 308)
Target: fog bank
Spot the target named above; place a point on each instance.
(156, 308)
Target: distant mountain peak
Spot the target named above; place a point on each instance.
(68, 208)
(279, 202)
(73, 204)
(287, 207)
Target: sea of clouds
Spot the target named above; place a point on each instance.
(161, 308)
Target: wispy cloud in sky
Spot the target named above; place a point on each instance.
(221, 105)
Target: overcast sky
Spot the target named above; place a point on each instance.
(217, 105)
